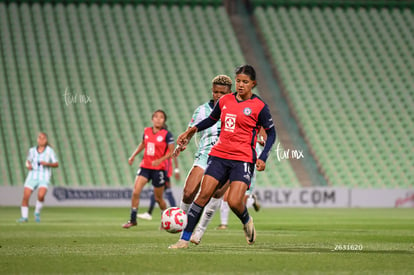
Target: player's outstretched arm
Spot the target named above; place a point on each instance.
(140, 147)
(29, 165)
(165, 157)
(176, 169)
(185, 137)
(50, 164)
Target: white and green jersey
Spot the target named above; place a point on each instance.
(40, 172)
(207, 137)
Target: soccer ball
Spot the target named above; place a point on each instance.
(173, 220)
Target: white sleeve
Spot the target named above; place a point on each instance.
(53, 158)
(194, 118)
(30, 156)
(197, 116)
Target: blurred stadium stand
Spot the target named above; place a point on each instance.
(348, 73)
(346, 70)
(129, 60)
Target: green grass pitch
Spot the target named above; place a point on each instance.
(289, 241)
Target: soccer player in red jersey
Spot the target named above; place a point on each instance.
(233, 157)
(159, 145)
(168, 194)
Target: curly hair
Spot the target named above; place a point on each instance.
(222, 80)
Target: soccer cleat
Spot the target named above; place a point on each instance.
(249, 231)
(22, 220)
(179, 245)
(256, 204)
(221, 227)
(129, 224)
(196, 237)
(37, 217)
(145, 216)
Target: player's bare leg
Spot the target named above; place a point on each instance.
(26, 196)
(25, 205)
(208, 187)
(140, 182)
(41, 194)
(235, 200)
(256, 203)
(191, 187)
(224, 213)
(158, 195)
(208, 213)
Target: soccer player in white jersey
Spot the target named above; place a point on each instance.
(221, 85)
(40, 161)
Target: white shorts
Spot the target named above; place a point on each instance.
(201, 161)
(33, 184)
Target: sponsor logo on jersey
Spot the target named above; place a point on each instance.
(247, 111)
(146, 137)
(230, 122)
(159, 138)
(150, 149)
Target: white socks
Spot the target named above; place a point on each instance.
(249, 202)
(208, 214)
(185, 206)
(25, 211)
(39, 206)
(224, 213)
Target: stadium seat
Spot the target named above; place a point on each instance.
(130, 59)
(354, 93)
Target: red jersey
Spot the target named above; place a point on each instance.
(240, 124)
(156, 146)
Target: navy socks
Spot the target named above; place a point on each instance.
(194, 215)
(133, 214)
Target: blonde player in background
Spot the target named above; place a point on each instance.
(40, 161)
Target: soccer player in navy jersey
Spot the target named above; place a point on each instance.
(233, 157)
(158, 143)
